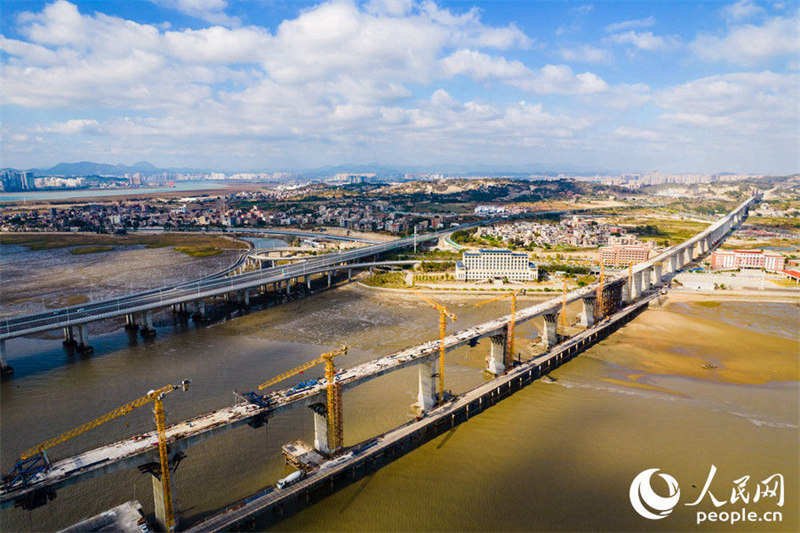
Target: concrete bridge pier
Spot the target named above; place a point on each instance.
(426, 399)
(495, 362)
(672, 263)
(626, 290)
(320, 427)
(550, 331)
(83, 340)
(308, 281)
(130, 322)
(647, 278)
(289, 286)
(636, 287)
(656, 274)
(160, 504)
(329, 279)
(199, 309)
(147, 324)
(4, 368)
(349, 274)
(69, 337)
(587, 314)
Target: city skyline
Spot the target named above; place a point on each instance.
(616, 86)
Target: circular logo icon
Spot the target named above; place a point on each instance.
(649, 504)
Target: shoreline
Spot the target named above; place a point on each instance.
(454, 291)
(776, 296)
(675, 295)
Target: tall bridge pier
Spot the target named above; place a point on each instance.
(426, 399)
(550, 330)
(495, 363)
(587, 313)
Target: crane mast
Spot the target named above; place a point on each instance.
(444, 314)
(334, 395)
(509, 355)
(35, 459)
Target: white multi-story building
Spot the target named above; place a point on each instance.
(496, 264)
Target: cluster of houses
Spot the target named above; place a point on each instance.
(574, 230)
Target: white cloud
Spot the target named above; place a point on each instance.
(559, 79)
(628, 24)
(74, 126)
(742, 104)
(642, 40)
(345, 81)
(636, 133)
(481, 67)
(742, 9)
(395, 8)
(752, 45)
(585, 54)
(212, 11)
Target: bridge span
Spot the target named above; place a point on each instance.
(623, 298)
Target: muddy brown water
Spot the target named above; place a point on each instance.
(558, 455)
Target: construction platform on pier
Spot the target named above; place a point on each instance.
(302, 455)
(125, 518)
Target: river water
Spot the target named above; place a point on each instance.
(558, 455)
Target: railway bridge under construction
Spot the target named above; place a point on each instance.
(607, 305)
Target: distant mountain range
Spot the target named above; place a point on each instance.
(90, 168)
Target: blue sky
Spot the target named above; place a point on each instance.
(520, 85)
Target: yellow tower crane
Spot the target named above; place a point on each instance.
(29, 459)
(444, 314)
(509, 355)
(335, 426)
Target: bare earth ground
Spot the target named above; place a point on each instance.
(31, 281)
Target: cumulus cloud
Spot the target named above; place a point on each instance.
(642, 40)
(741, 104)
(74, 126)
(636, 133)
(629, 24)
(585, 54)
(212, 11)
(750, 44)
(742, 9)
(559, 79)
(342, 81)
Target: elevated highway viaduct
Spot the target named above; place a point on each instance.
(232, 282)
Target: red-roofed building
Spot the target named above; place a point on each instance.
(770, 261)
(793, 275)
